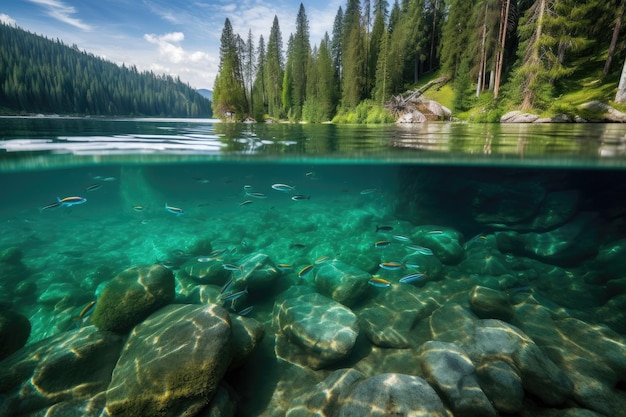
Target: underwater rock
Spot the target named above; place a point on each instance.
(388, 318)
(569, 244)
(483, 257)
(222, 404)
(593, 356)
(507, 201)
(391, 395)
(172, 363)
(613, 313)
(323, 398)
(14, 331)
(257, 271)
(89, 407)
(491, 339)
(12, 270)
(448, 369)
(132, 296)
(444, 242)
(552, 412)
(557, 208)
(211, 272)
(246, 334)
(490, 304)
(343, 283)
(313, 330)
(502, 384)
(58, 291)
(12, 255)
(68, 367)
(610, 261)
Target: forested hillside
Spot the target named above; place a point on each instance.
(524, 54)
(38, 75)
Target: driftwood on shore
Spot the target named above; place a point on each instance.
(411, 107)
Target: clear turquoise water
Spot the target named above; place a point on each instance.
(357, 178)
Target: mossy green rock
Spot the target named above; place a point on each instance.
(14, 332)
(344, 283)
(132, 296)
(172, 363)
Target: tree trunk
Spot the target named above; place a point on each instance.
(620, 97)
(483, 64)
(432, 42)
(527, 101)
(612, 46)
(504, 18)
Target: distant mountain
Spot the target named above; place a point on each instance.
(208, 94)
(39, 75)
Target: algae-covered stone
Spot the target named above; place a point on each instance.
(172, 363)
(206, 271)
(314, 330)
(257, 270)
(569, 244)
(391, 395)
(344, 283)
(11, 255)
(444, 242)
(487, 303)
(388, 319)
(323, 398)
(502, 384)
(448, 368)
(246, 335)
(14, 331)
(132, 296)
(71, 366)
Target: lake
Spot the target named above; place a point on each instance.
(191, 267)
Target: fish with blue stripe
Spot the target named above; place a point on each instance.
(174, 210)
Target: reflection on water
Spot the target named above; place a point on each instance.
(76, 141)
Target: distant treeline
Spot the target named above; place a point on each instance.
(38, 75)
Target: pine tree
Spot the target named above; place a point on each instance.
(378, 30)
(353, 55)
(300, 53)
(249, 69)
(229, 94)
(336, 48)
(274, 71)
(382, 89)
(259, 90)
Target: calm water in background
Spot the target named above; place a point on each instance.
(354, 178)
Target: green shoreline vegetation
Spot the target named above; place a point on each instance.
(542, 56)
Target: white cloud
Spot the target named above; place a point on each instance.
(171, 50)
(7, 20)
(62, 12)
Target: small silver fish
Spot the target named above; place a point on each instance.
(235, 295)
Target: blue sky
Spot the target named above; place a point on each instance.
(180, 38)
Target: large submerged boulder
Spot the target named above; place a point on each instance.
(313, 330)
(172, 363)
(65, 372)
(132, 296)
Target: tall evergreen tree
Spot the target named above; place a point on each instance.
(455, 36)
(378, 30)
(300, 53)
(287, 84)
(382, 89)
(259, 90)
(353, 55)
(249, 69)
(336, 48)
(545, 28)
(274, 71)
(229, 94)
